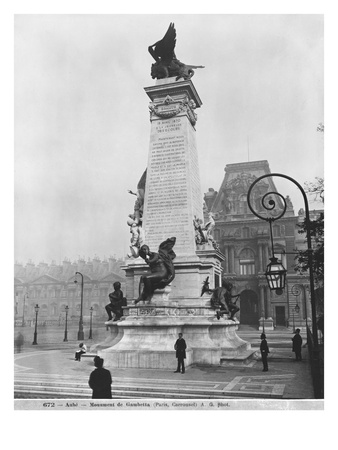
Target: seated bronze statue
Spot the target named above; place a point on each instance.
(116, 302)
(161, 268)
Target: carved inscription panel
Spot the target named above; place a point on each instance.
(173, 192)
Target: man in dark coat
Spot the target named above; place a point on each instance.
(264, 352)
(297, 345)
(180, 347)
(100, 380)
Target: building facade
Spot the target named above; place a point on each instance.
(53, 287)
(245, 241)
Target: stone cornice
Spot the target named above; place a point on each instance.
(172, 88)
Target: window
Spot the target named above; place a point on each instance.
(247, 267)
(247, 262)
(276, 231)
(281, 257)
(242, 204)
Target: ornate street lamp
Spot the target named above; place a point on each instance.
(80, 334)
(36, 308)
(269, 205)
(275, 271)
(66, 331)
(91, 322)
(276, 275)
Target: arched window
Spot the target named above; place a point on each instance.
(247, 262)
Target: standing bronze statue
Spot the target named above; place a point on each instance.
(167, 65)
(161, 267)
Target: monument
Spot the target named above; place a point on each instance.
(172, 252)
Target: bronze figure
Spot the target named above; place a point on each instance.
(167, 65)
(221, 300)
(161, 267)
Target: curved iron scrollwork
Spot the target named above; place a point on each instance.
(296, 290)
(272, 206)
(267, 202)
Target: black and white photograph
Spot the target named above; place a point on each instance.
(169, 189)
(168, 212)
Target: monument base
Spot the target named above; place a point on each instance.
(146, 338)
(146, 335)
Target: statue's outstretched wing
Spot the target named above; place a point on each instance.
(164, 49)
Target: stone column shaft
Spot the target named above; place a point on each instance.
(260, 258)
(226, 249)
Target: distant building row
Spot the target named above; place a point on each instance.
(52, 287)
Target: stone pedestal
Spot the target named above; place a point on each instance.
(266, 324)
(146, 336)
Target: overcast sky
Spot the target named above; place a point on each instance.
(82, 121)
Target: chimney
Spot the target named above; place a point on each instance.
(80, 264)
(105, 266)
(96, 263)
(111, 264)
(30, 266)
(65, 266)
(42, 268)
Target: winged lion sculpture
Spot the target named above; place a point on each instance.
(167, 65)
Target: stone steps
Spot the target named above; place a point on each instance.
(44, 387)
(245, 358)
(74, 390)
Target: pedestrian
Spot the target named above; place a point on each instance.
(78, 353)
(264, 352)
(297, 345)
(19, 342)
(180, 347)
(100, 380)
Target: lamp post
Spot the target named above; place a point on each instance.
(269, 205)
(23, 310)
(80, 334)
(91, 322)
(36, 308)
(295, 290)
(66, 331)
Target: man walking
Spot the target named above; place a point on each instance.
(264, 352)
(297, 345)
(180, 347)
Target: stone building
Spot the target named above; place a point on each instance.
(52, 287)
(245, 241)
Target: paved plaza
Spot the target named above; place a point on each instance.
(48, 370)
